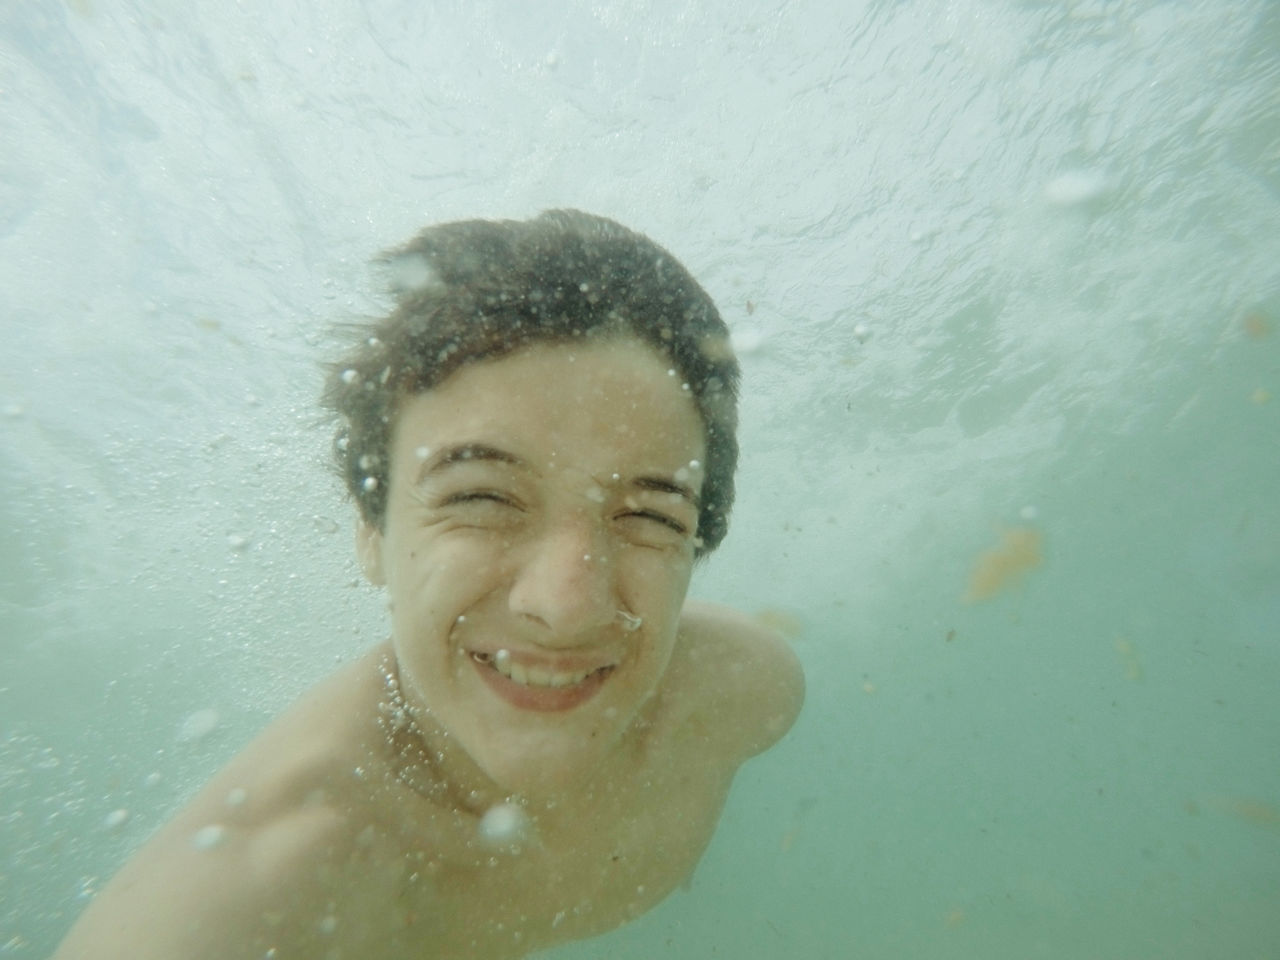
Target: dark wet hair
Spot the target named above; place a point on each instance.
(480, 289)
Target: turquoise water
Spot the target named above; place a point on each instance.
(1000, 272)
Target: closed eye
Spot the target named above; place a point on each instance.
(666, 521)
(477, 496)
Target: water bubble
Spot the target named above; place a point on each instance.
(370, 484)
(208, 837)
(116, 819)
(630, 622)
(1029, 512)
(1076, 187)
(328, 924)
(595, 494)
(236, 796)
(14, 410)
(349, 375)
(861, 332)
(197, 725)
(747, 341)
(237, 542)
(411, 272)
(152, 780)
(503, 824)
(325, 524)
(422, 452)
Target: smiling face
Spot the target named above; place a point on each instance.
(538, 544)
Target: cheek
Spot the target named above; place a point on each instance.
(659, 581)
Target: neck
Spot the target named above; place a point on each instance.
(426, 760)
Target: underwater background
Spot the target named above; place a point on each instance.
(1005, 281)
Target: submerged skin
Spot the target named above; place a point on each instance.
(539, 504)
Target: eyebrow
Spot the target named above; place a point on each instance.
(466, 453)
(666, 485)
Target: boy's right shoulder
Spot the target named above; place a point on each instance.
(265, 842)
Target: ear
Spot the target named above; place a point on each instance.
(369, 552)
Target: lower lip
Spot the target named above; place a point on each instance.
(542, 699)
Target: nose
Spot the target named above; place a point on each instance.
(566, 583)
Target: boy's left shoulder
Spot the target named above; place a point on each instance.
(744, 684)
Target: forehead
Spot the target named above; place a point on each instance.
(597, 406)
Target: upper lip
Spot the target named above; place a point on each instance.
(536, 661)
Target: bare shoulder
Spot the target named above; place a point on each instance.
(244, 858)
(743, 682)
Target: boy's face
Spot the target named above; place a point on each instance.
(539, 540)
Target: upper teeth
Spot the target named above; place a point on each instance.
(531, 676)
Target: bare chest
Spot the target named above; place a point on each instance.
(570, 874)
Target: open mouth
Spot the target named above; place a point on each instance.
(534, 676)
(535, 687)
